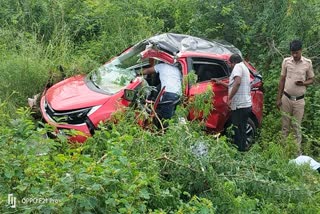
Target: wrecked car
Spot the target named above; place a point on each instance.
(81, 102)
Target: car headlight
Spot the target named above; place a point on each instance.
(93, 109)
(77, 116)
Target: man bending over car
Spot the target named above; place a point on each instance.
(170, 78)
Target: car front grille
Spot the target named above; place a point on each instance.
(75, 117)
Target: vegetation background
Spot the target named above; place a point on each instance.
(124, 169)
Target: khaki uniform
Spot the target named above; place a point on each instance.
(294, 108)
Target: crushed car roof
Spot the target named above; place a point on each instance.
(175, 43)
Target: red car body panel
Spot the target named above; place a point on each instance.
(257, 105)
(167, 58)
(219, 114)
(64, 94)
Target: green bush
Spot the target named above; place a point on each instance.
(126, 169)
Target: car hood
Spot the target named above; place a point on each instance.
(74, 93)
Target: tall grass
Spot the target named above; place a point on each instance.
(27, 61)
(22, 70)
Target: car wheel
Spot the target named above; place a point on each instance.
(251, 132)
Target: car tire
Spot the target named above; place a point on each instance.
(251, 129)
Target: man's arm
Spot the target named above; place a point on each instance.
(282, 82)
(310, 76)
(280, 90)
(218, 82)
(150, 70)
(309, 81)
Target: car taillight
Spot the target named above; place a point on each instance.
(257, 83)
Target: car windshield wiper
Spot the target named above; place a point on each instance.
(93, 81)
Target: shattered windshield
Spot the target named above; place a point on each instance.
(115, 75)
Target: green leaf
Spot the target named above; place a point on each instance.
(144, 193)
(8, 173)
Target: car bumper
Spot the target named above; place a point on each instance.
(75, 133)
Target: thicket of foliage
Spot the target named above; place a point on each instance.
(125, 169)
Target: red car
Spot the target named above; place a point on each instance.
(82, 101)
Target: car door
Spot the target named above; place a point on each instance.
(207, 69)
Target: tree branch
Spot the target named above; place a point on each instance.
(175, 162)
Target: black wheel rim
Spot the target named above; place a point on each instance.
(250, 134)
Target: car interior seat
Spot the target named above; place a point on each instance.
(207, 72)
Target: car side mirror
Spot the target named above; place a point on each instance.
(130, 94)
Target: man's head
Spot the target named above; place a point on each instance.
(296, 49)
(234, 59)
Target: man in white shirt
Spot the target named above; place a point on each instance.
(170, 78)
(239, 100)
